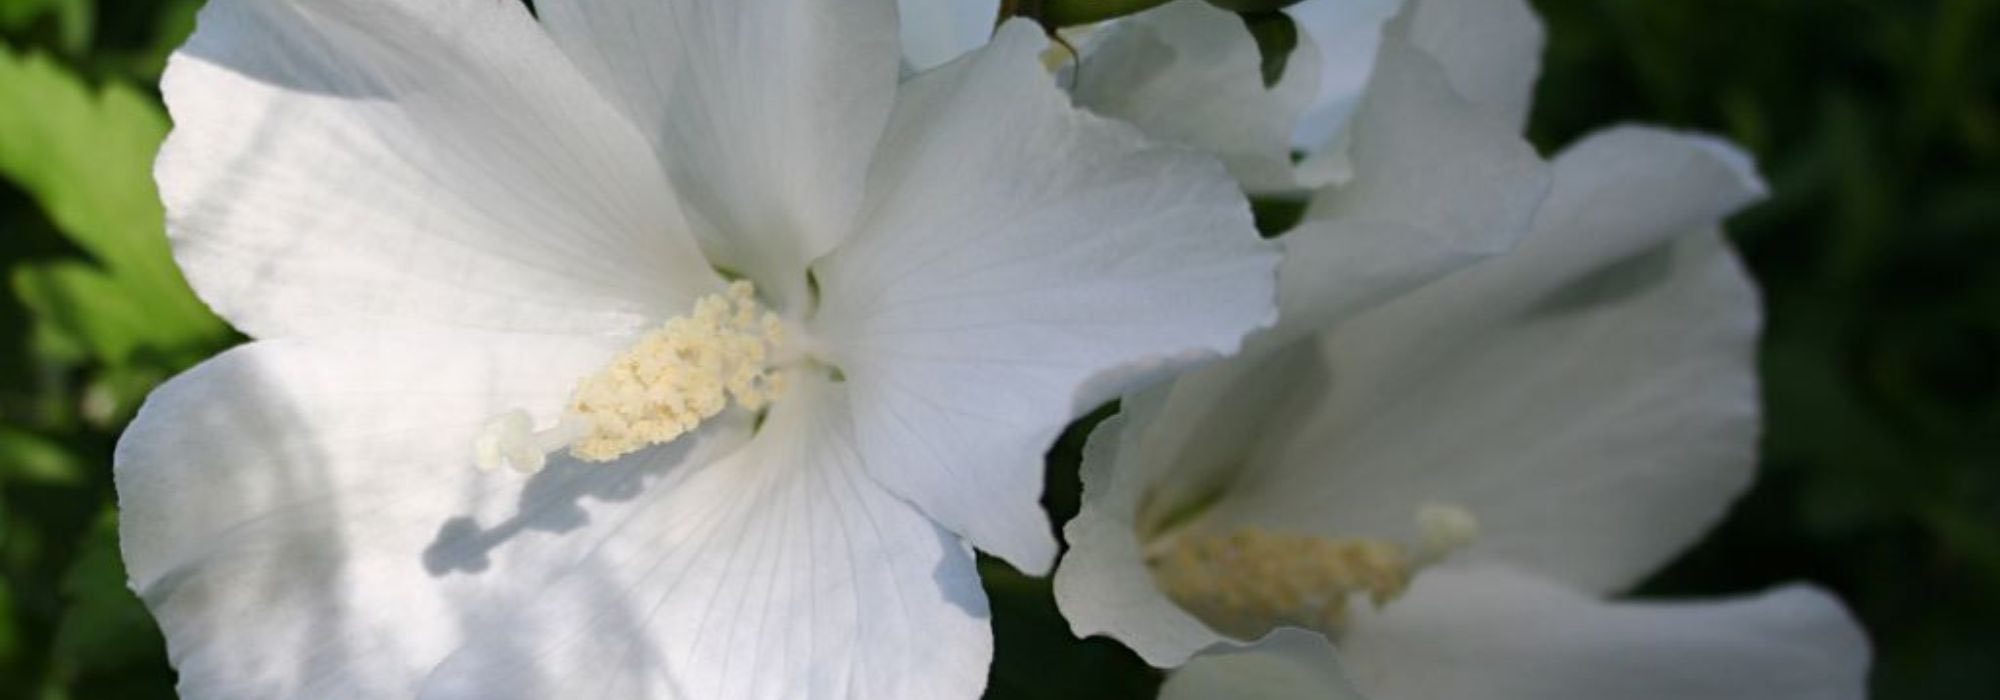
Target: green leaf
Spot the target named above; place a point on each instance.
(30, 458)
(11, 644)
(171, 29)
(86, 156)
(82, 303)
(113, 394)
(74, 19)
(104, 626)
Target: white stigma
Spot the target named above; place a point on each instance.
(1247, 581)
(675, 377)
(1445, 529)
(511, 439)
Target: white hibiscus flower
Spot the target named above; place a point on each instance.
(464, 236)
(1446, 484)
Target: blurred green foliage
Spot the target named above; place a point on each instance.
(85, 155)
(95, 315)
(1876, 122)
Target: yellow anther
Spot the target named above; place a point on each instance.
(1248, 581)
(679, 375)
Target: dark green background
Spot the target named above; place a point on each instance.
(1876, 123)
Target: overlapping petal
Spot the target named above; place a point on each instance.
(1492, 633)
(1190, 73)
(363, 164)
(1348, 34)
(1438, 183)
(1421, 181)
(764, 113)
(1015, 249)
(1491, 49)
(1289, 664)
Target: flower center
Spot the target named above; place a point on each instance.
(675, 377)
(1247, 581)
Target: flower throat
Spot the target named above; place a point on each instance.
(1247, 581)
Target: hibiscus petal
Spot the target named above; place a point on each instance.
(782, 570)
(936, 31)
(1438, 184)
(354, 164)
(1023, 261)
(1591, 397)
(1348, 33)
(1289, 664)
(1491, 49)
(1489, 633)
(764, 113)
(1190, 73)
(1103, 586)
(276, 503)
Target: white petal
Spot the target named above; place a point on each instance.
(1492, 49)
(763, 111)
(937, 31)
(353, 164)
(1103, 586)
(1504, 636)
(1023, 261)
(1591, 397)
(1190, 73)
(782, 570)
(276, 503)
(1169, 446)
(1438, 183)
(1289, 664)
(1347, 33)
(305, 520)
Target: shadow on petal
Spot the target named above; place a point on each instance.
(552, 502)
